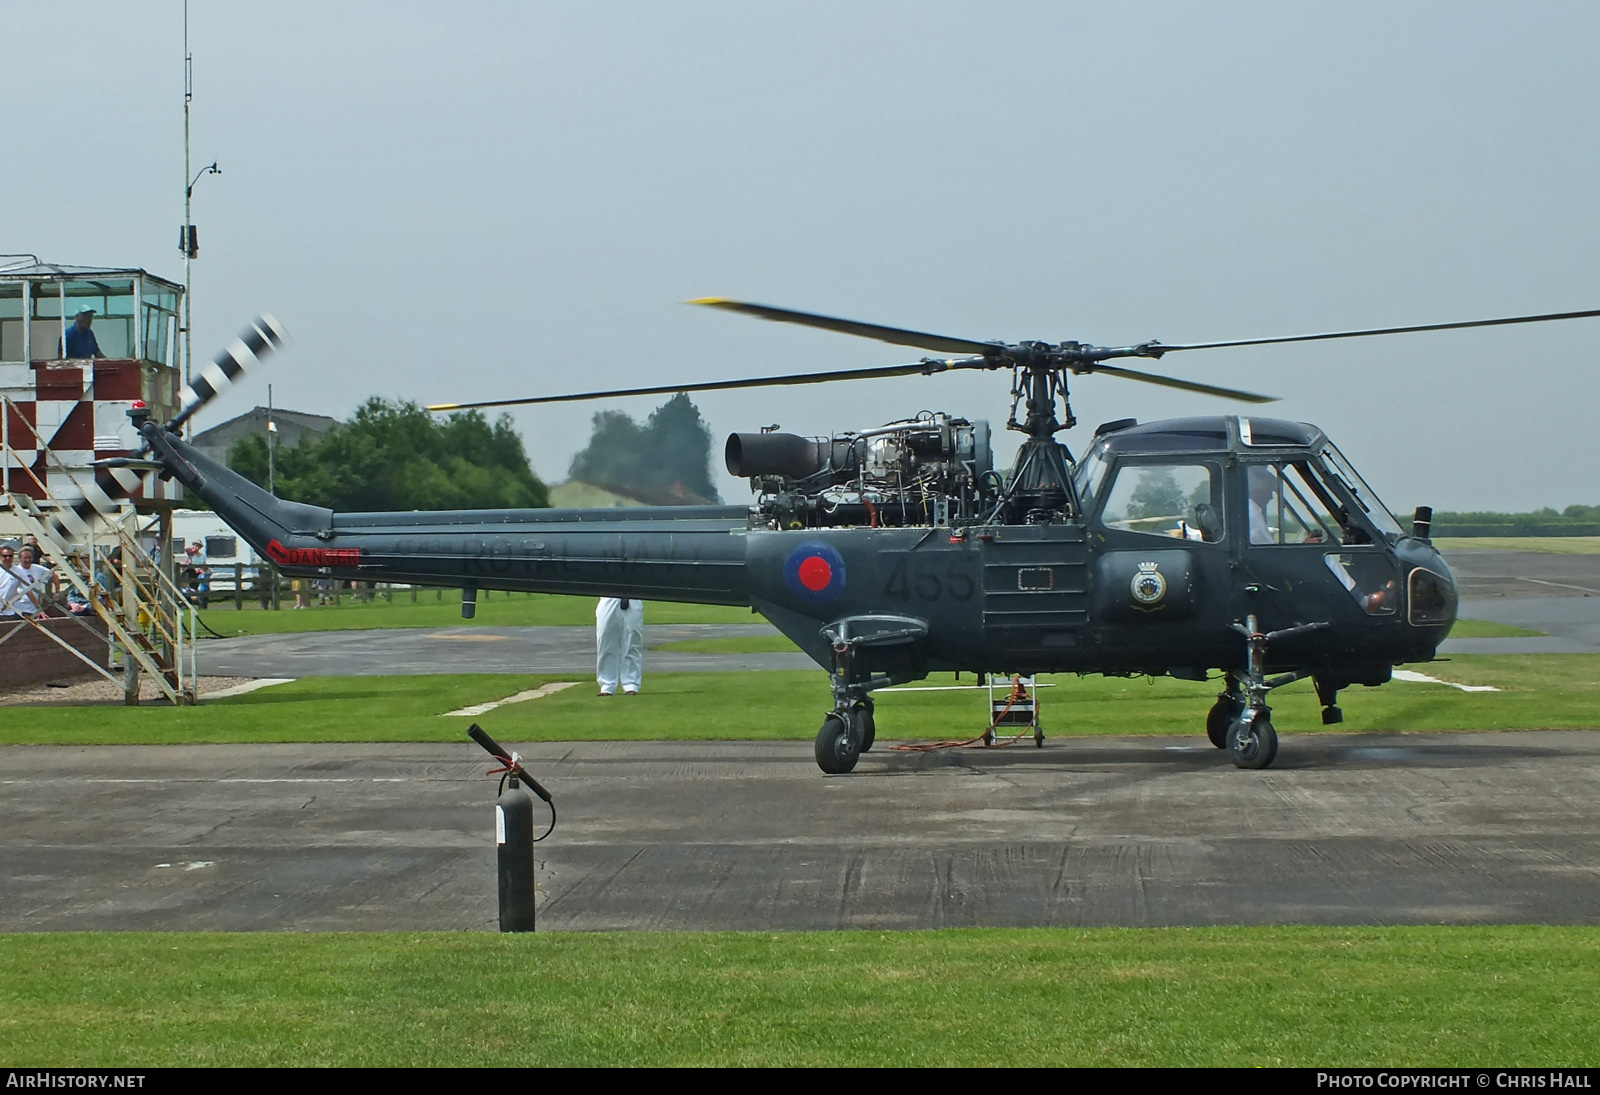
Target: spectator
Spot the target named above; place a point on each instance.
(619, 645)
(34, 583)
(8, 583)
(109, 574)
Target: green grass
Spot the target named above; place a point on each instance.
(1557, 545)
(1298, 996)
(442, 608)
(1547, 691)
(1488, 629)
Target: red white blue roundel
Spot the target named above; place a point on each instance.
(814, 572)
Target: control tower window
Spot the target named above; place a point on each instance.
(112, 301)
(11, 323)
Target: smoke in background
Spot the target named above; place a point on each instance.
(668, 457)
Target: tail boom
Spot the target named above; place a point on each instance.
(691, 553)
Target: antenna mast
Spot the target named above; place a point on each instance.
(188, 239)
(185, 239)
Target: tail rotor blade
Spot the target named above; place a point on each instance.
(115, 481)
(264, 335)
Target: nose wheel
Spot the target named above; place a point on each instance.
(1241, 721)
(1252, 741)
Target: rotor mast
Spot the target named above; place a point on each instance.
(1040, 486)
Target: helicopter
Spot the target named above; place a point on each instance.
(1237, 544)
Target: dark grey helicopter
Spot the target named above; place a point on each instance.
(1238, 544)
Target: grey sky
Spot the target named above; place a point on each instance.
(450, 202)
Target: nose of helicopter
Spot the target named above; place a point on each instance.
(1431, 592)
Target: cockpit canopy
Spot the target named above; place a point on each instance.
(1170, 482)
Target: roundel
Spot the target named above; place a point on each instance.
(814, 572)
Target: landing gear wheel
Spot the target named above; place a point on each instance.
(1220, 719)
(1253, 744)
(862, 713)
(836, 750)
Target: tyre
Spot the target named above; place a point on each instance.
(1253, 744)
(1220, 719)
(836, 748)
(869, 728)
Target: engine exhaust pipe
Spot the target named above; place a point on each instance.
(785, 454)
(1422, 522)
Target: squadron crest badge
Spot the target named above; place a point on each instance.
(1149, 585)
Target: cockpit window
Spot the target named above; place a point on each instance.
(1365, 497)
(1289, 506)
(1088, 476)
(1181, 501)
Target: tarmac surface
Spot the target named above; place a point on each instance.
(1347, 829)
(1556, 594)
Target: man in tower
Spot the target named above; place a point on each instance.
(80, 336)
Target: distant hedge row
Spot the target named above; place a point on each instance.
(1572, 521)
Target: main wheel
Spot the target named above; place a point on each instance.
(836, 749)
(1253, 745)
(1220, 718)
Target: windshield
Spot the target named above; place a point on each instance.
(1364, 495)
(1089, 475)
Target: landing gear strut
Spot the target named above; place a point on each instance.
(1251, 739)
(850, 729)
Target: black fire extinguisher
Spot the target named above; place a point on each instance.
(513, 834)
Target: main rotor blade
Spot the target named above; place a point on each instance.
(927, 368)
(1186, 385)
(896, 335)
(1157, 349)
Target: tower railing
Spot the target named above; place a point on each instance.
(150, 622)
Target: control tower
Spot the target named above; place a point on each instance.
(63, 413)
(78, 346)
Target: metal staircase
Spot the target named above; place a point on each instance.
(150, 623)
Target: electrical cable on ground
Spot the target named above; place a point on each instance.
(985, 740)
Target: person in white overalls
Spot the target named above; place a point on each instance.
(619, 644)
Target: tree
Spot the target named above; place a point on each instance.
(1157, 495)
(671, 450)
(397, 456)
